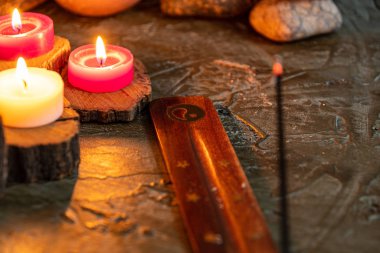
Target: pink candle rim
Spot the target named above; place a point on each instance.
(100, 80)
(33, 43)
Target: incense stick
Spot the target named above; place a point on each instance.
(285, 243)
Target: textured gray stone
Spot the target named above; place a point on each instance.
(287, 20)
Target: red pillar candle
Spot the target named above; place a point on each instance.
(98, 68)
(29, 36)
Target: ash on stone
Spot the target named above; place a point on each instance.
(239, 133)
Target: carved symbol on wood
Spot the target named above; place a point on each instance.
(192, 197)
(183, 164)
(224, 163)
(185, 112)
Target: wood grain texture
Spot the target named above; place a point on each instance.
(54, 60)
(3, 167)
(7, 6)
(219, 208)
(44, 153)
(120, 106)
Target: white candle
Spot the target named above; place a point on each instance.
(30, 97)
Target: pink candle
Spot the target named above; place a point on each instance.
(29, 36)
(100, 69)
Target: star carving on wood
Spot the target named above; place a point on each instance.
(214, 238)
(224, 163)
(183, 164)
(192, 197)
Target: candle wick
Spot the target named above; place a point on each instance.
(101, 63)
(25, 84)
(17, 29)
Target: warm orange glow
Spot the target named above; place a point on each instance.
(16, 21)
(101, 54)
(277, 69)
(22, 71)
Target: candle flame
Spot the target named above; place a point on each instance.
(16, 21)
(22, 71)
(101, 54)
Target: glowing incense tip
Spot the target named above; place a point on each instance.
(277, 69)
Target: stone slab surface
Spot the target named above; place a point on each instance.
(122, 202)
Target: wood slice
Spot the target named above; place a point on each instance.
(44, 153)
(54, 60)
(7, 6)
(120, 106)
(3, 167)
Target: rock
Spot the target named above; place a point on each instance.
(287, 20)
(3, 167)
(205, 8)
(96, 8)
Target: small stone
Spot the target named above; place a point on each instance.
(288, 20)
(205, 8)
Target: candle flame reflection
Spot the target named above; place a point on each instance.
(16, 21)
(101, 54)
(22, 72)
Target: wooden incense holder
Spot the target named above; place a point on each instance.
(219, 209)
(3, 167)
(56, 59)
(44, 153)
(119, 106)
